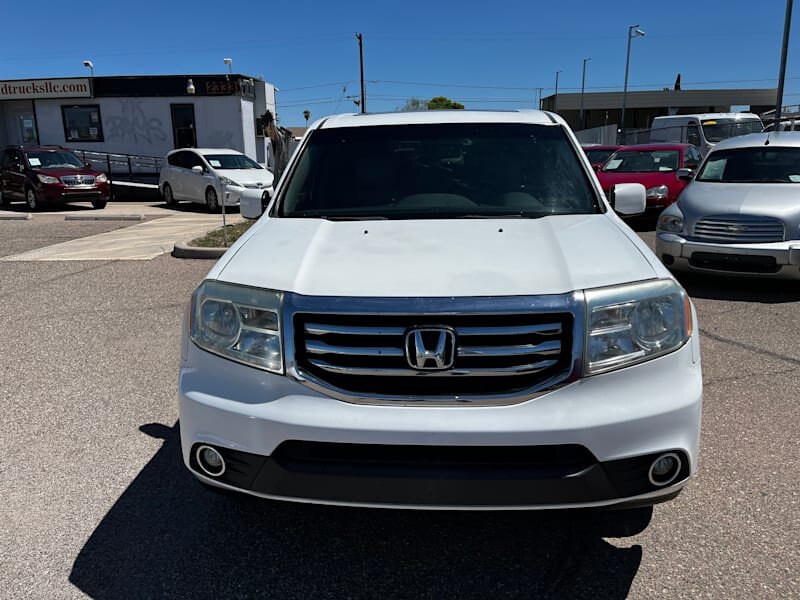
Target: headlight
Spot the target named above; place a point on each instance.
(101, 178)
(670, 223)
(240, 323)
(634, 323)
(225, 181)
(658, 193)
(47, 179)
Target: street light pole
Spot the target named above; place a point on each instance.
(583, 87)
(360, 39)
(633, 31)
(787, 23)
(555, 96)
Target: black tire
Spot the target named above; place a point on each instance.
(31, 199)
(212, 202)
(98, 204)
(169, 198)
(4, 201)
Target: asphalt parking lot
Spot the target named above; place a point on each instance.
(96, 502)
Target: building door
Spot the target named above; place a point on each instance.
(183, 131)
(25, 130)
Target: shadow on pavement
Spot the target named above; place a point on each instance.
(740, 289)
(167, 536)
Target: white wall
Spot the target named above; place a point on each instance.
(143, 126)
(249, 128)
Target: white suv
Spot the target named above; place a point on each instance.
(211, 176)
(441, 310)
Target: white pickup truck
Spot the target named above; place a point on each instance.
(441, 310)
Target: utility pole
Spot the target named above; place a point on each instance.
(539, 91)
(583, 87)
(555, 96)
(787, 23)
(360, 39)
(633, 31)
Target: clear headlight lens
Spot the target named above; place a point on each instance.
(633, 323)
(47, 179)
(658, 193)
(670, 223)
(240, 323)
(102, 178)
(226, 181)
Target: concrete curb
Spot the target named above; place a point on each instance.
(122, 217)
(184, 250)
(14, 216)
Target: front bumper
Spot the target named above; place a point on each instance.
(62, 193)
(779, 260)
(232, 194)
(589, 443)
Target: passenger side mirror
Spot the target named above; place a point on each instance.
(252, 203)
(197, 169)
(87, 164)
(18, 167)
(629, 198)
(685, 174)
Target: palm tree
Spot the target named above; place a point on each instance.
(306, 116)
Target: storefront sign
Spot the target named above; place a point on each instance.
(45, 88)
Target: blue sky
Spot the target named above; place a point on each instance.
(484, 54)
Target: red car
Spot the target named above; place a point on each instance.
(49, 174)
(598, 153)
(655, 166)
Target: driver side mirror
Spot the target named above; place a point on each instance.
(629, 198)
(198, 169)
(252, 203)
(685, 174)
(87, 164)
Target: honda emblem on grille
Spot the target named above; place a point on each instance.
(430, 348)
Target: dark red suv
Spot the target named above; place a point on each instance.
(49, 174)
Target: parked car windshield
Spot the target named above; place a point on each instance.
(643, 161)
(438, 171)
(763, 164)
(598, 157)
(54, 160)
(717, 130)
(231, 161)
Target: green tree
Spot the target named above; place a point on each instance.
(413, 104)
(442, 102)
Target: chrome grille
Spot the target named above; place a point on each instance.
(255, 186)
(77, 180)
(739, 229)
(494, 354)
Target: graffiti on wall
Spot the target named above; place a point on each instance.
(133, 124)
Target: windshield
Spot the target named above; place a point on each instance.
(598, 157)
(717, 130)
(231, 161)
(438, 171)
(643, 161)
(763, 164)
(54, 160)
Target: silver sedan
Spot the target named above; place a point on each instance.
(741, 213)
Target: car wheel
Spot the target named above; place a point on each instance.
(169, 198)
(31, 199)
(99, 203)
(3, 200)
(211, 200)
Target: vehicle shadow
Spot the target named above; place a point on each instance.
(739, 289)
(194, 207)
(167, 536)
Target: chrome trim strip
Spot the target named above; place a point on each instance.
(315, 347)
(545, 348)
(548, 328)
(319, 329)
(482, 372)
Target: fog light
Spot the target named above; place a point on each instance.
(664, 469)
(210, 461)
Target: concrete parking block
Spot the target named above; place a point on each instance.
(9, 216)
(101, 217)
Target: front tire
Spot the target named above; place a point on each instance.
(31, 199)
(3, 200)
(98, 204)
(211, 200)
(169, 197)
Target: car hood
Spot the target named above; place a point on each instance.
(245, 176)
(62, 172)
(436, 258)
(779, 200)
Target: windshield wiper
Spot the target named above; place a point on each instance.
(511, 215)
(346, 218)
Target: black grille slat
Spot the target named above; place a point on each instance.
(496, 354)
(739, 229)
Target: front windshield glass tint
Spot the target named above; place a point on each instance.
(231, 161)
(752, 165)
(598, 157)
(721, 129)
(54, 160)
(438, 171)
(643, 161)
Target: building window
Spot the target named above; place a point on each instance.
(82, 123)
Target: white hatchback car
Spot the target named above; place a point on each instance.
(441, 310)
(211, 176)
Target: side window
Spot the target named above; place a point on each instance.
(191, 160)
(693, 135)
(175, 159)
(690, 158)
